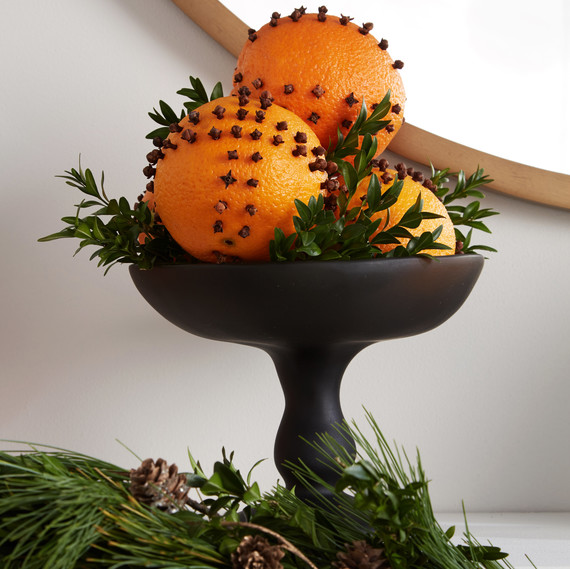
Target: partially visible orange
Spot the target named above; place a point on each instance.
(230, 176)
(322, 67)
(408, 196)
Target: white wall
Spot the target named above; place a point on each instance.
(85, 361)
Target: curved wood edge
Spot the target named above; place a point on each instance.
(510, 178)
(217, 21)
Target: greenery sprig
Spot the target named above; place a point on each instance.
(469, 214)
(198, 96)
(65, 510)
(348, 145)
(122, 233)
(119, 232)
(351, 234)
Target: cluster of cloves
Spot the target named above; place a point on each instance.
(403, 171)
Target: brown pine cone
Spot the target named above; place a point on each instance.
(159, 485)
(361, 555)
(255, 552)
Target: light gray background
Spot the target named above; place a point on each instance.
(85, 361)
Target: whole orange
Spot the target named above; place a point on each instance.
(408, 196)
(322, 67)
(229, 175)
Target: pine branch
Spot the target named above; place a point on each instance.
(67, 511)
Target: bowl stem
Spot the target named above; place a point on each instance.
(310, 377)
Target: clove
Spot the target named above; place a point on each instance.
(221, 206)
(189, 135)
(301, 137)
(215, 133)
(219, 111)
(300, 150)
(351, 99)
(228, 179)
(318, 91)
(365, 29)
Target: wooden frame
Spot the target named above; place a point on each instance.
(511, 178)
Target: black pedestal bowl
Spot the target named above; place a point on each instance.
(312, 318)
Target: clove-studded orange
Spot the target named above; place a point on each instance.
(407, 198)
(322, 67)
(229, 175)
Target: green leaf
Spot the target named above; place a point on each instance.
(64, 233)
(304, 211)
(313, 250)
(160, 132)
(217, 91)
(228, 479)
(349, 174)
(90, 186)
(253, 494)
(373, 194)
(307, 238)
(199, 88)
(96, 229)
(168, 113)
(82, 230)
(353, 231)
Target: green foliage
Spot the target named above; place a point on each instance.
(51, 506)
(65, 510)
(114, 227)
(380, 491)
(198, 96)
(363, 125)
(469, 214)
(352, 234)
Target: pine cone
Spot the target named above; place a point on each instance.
(361, 555)
(255, 552)
(159, 485)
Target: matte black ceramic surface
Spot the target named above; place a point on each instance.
(312, 318)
